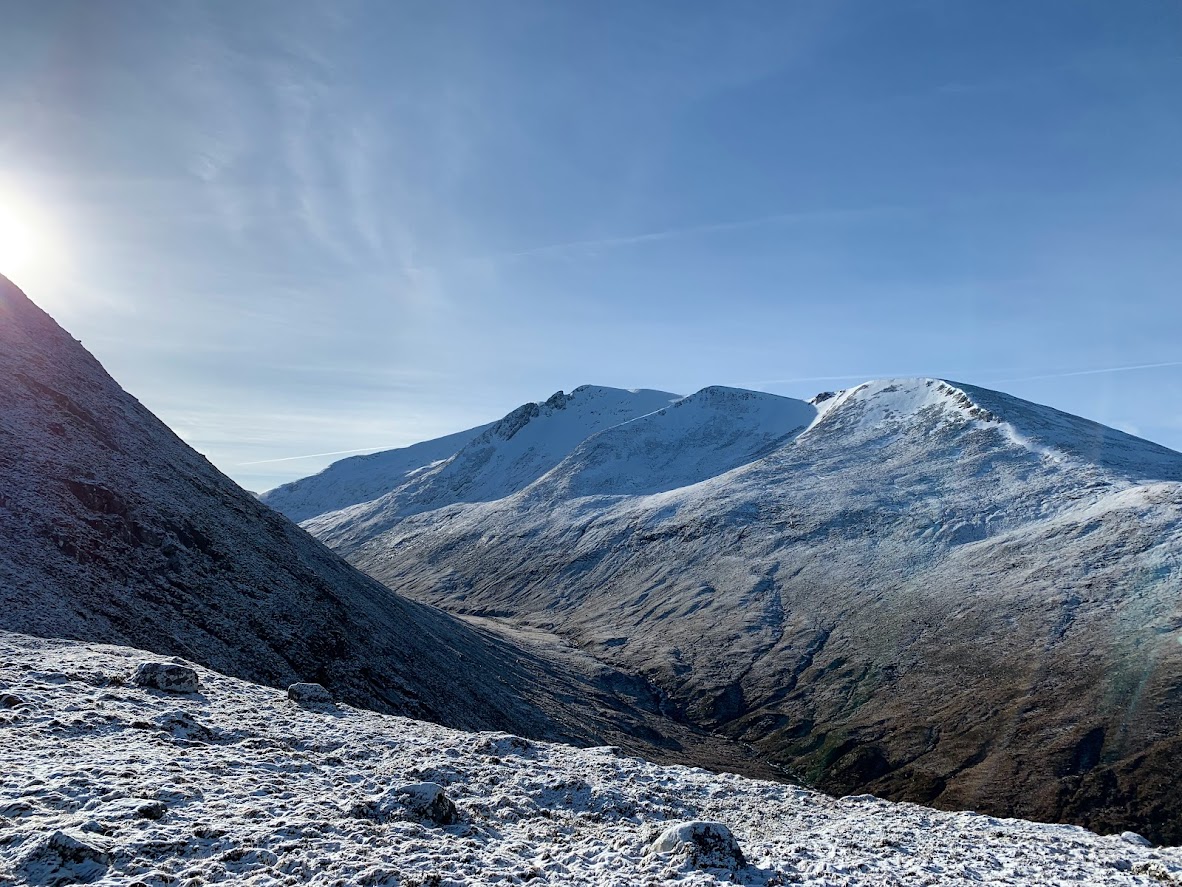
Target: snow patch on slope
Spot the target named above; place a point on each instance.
(531, 440)
(1040, 430)
(694, 439)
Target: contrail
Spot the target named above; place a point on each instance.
(712, 228)
(1061, 375)
(316, 455)
(861, 376)
(1095, 372)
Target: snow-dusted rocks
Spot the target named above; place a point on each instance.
(61, 858)
(1135, 839)
(309, 694)
(704, 845)
(166, 676)
(263, 804)
(427, 800)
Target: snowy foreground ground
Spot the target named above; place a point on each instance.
(103, 781)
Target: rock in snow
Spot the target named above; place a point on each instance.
(309, 694)
(420, 800)
(706, 845)
(1135, 839)
(268, 802)
(427, 800)
(166, 676)
(61, 858)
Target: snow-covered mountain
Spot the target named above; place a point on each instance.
(112, 783)
(915, 587)
(363, 478)
(113, 530)
(478, 465)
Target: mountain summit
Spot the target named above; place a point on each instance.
(915, 587)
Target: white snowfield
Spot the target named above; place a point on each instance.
(102, 781)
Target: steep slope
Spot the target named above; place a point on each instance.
(934, 592)
(113, 530)
(237, 784)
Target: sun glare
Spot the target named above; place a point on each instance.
(22, 244)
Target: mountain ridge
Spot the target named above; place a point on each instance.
(918, 540)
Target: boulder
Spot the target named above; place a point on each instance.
(61, 858)
(706, 845)
(420, 800)
(427, 800)
(309, 694)
(1135, 839)
(166, 676)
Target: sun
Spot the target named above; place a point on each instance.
(22, 243)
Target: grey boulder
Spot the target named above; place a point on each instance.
(166, 676)
(309, 694)
(419, 800)
(61, 858)
(706, 845)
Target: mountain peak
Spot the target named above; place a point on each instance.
(884, 399)
(881, 410)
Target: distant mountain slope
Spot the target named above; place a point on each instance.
(691, 440)
(113, 530)
(481, 465)
(363, 478)
(932, 591)
(506, 457)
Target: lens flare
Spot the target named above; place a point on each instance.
(22, 241)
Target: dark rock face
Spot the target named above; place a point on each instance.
(167, 677)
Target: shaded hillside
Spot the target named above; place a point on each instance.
(113, 530)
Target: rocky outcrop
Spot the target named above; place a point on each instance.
(166, 676)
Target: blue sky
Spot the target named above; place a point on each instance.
(294, 228)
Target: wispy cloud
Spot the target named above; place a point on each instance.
(856, 214)
(1095, 371)
(983, 376)
(316, 455)
(859, 377)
